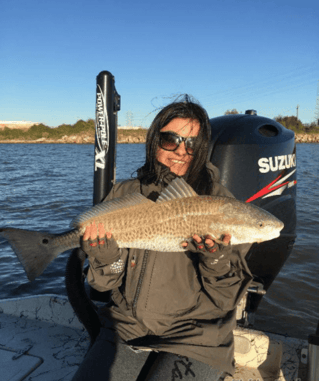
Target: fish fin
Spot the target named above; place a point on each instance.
(109, 207)
(178, 188)
(33, 249)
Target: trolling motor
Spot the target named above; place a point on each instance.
(256, 157)
(107, 106)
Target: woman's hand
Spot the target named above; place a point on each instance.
(91, 232)
(206, 244)
(100, 245)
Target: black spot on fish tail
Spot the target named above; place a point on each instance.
(35, 250)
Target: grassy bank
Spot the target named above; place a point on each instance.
(80, 132)
(41, 131)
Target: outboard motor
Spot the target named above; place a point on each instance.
(256, 157)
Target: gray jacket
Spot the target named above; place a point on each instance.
(175, 302)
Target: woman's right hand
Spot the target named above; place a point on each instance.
(100, 245)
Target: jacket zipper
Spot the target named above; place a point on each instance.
(139, 284)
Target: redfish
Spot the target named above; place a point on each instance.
(137, 222)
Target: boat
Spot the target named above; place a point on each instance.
(46, 337)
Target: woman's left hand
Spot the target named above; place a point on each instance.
(206, 244)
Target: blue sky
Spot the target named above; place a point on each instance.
(227, 54)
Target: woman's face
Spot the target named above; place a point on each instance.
(178, 161)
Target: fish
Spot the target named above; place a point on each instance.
(137, 222)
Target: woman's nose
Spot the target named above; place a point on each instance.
(181, 150)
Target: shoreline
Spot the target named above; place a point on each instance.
(73, 140)
(76, 139)
(307, 138)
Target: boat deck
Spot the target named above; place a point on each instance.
(45, 329)
(42, 339)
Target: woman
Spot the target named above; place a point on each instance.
(184, 302)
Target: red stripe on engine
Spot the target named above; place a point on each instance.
(266, 189)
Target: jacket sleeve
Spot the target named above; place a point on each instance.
(226, 281)
(108, 277)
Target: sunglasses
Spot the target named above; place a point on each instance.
(170, 141)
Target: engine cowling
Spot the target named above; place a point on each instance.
(256, 157)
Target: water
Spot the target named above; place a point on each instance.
(43, 186)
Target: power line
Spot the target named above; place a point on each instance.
(273, 83)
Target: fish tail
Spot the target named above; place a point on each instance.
(35, 250)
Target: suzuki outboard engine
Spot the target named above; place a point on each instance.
(256, 157)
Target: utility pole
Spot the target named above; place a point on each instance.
(297, 110)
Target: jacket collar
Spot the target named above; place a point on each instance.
(165, 177)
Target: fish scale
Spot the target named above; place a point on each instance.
(137, 222)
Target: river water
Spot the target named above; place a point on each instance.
(44, 186)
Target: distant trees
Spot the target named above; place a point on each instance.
(291, 122)
(42, 131)
(231, 112)
(294, 124)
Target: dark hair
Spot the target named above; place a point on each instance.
(197, 175)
